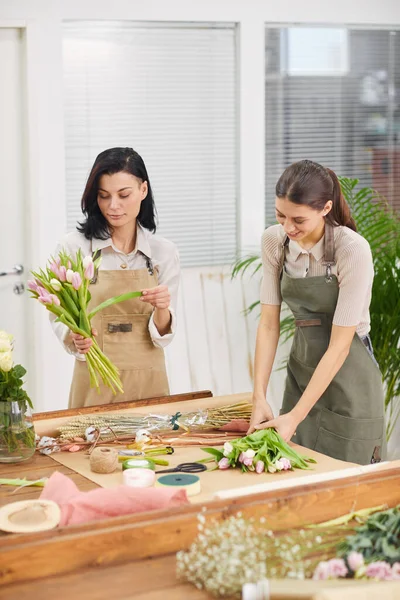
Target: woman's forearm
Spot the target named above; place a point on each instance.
(266, 346)
(162, 320)
(326, 370)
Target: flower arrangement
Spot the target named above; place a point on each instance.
(17, 437)
(263, 450)
(252, 552)
(63, 288)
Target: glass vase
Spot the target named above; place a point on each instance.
(17, 434)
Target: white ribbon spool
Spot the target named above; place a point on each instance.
(138, 478)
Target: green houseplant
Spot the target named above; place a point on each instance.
(17, 436)
(380, 225)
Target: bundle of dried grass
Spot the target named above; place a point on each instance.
(111, 426)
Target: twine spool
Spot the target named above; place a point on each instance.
(103, 460)
(139, 478)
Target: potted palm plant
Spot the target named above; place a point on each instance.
(380, 225)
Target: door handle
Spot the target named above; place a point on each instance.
(16, 270)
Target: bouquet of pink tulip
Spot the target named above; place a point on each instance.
(63, 288)
(263, 450)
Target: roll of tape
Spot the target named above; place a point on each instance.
(139, 463)
(190, 483)
(139, 478)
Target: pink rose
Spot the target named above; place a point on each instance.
(322, 571)
(396, 570)
(337, 567)
(223, 463)
(379, 570)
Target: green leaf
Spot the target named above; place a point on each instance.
(217, 453)
(113, 301)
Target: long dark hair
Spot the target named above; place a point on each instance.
(307, 182)
(109, 162)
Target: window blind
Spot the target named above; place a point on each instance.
(168, 91)
(333, 96)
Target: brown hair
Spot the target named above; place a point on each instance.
(307, 182)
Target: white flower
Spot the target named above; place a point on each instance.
(90, 433)
(250, 453)
(227, 448)
(5, 345)
(87, 261)
(278, 465)
(69, 275)
(142, 435)
(6, 361)
(6, 336)
(55, 284)
(271, 469)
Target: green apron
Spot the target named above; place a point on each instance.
(347, 422)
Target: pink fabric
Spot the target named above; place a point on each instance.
(82, 507)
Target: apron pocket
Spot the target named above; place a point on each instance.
(127, 342)
(362, 452)
(311, 341)
(349, 438)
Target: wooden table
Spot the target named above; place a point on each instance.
(134, 556)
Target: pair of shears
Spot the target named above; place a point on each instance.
(190, 467)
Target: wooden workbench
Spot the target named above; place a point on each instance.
(134, 556)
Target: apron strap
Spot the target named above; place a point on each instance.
(95, 255)
(282, 256)
(329, 251)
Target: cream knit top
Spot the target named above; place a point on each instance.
(354, 270)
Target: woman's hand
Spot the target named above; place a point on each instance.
(285, 425)
(159, 296)
(261, 412)
(81, 343)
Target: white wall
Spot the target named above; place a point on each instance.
(42, 21)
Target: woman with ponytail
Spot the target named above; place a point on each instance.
(316, 262)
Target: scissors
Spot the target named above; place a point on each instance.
(190, 467)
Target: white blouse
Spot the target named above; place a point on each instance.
(163, 254)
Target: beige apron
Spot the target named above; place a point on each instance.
(124, 337)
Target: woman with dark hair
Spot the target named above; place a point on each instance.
(119, 224)
(322, 269)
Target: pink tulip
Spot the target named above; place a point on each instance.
(241, 457)
(76, 281)
(247, 461)
(355, 560)
(223, 464)
(32, 285)
(260, 467)
(89, 271)
(45, 298)
(55, 300)
(62, 274)
(54, 268)
(322, 571)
